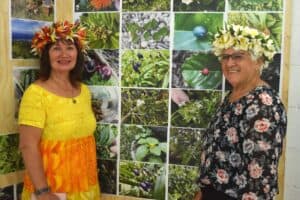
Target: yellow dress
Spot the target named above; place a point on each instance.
(67, 146)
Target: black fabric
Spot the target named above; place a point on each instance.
(209, 193)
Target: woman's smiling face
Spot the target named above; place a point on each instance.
(63, 56)
(239, 68)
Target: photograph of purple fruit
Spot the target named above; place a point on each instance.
(101, 67)
(145, 68)
(143, 180)
(194, 31)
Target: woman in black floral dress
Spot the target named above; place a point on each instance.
(243, 142)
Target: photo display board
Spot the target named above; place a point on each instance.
(155, 82)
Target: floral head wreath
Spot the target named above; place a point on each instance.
(246, 39)
(61, 30)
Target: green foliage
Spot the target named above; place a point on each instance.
(146, 5)
(152, 70)
(182, 182)
(198, 111)
(256, 5)
(107, 172)
(11, 159)
(145, 107)
(184, 38)
(96, 79)
(22, 49)
(142, 180)
(193, 66)
(200, 5)
(102, 30)
(185, 146)
(147, 144)
(24, 79)
(269, 23)
(105, 136)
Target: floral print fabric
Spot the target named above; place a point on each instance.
(242, 146)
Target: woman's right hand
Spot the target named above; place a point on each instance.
(198, 195)
(48, 196)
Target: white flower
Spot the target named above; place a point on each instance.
(139, 102)
(246, 39)
(187, 2)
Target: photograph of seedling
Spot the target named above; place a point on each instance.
(195, 31)
(23, 77)
(182, 182)
(145, 30)
(11, 159)
(146, 5)
(33, 9)
(107, 174)
(197, 110)
(106, 141)
(199, 5)
(96, 5)
(143, 143)
(102, 29)
(185, 146)
(144, 107)
(145, 68)
(196, 70)
(101, 67)
(22, 32)
(105, 103)
(142, 180)
(269, 23)
(261, 5)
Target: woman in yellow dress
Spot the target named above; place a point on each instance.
(56, 122)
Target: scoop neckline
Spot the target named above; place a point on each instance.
(52, 93)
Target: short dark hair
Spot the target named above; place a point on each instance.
(75, 73)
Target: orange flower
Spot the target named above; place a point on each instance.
(98, 4)
(62, 30)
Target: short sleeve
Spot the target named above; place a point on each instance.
(32, 111)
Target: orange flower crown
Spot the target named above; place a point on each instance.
(61, 30)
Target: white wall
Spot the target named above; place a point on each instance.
(292, 170)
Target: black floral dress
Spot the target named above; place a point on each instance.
(242, 146)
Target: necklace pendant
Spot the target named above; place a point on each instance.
(74, 101)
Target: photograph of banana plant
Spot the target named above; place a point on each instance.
(194, 31)
(101, 67)
(107, 175)
(257, 5)
(145, 30)
(102, 29)
(185, 146)
(196, 70)
(33, 9)
(144, 106)
(11, 159)
(144, 180)
(182, 182)
(143, 143)
(105, 103)
(199, 5)
(145, 68)
(196, 110)
(96, 5)
(106, 141)
(23, 77)
(146, 5)
(269, 23)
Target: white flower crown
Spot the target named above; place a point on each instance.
(246, 39)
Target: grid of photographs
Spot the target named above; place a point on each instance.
(154, 80)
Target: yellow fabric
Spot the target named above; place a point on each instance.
(68, 146)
